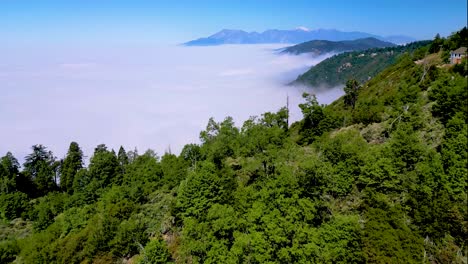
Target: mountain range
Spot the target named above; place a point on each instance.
(318, 47)
(298, 35)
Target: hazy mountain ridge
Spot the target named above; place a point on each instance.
(324, 46)
(299, 35)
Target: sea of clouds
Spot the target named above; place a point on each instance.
(157, 97)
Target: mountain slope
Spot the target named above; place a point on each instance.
(324, 46)
(360, 65)
(228, 36)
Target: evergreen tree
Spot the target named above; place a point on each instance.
(436, 44)
(123, 159)
(39, 165)
(72, 163)
(104, 166)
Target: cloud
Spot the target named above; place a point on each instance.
(77, 66)
(236, 72)
(144, 97)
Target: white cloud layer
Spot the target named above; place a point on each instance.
(145, 97)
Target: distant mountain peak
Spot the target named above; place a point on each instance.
(227, 32)
(302, 28)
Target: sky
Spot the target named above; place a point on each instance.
(121, 22)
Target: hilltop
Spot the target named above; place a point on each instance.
(360, 65)
(318, 47)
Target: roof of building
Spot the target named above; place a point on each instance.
(461, 50)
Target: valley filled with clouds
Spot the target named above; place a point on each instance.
(145, 97)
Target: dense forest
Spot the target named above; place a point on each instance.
(359, 65)
(378, 176)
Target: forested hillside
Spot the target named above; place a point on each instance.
(319, 47)
(378, 176)
(359, 65)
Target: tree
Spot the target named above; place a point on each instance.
(351, 92)
(313, 124)
(279, 119)
(144, 170)
(174, 170)
(436, 44)
(202, 188)
(72, 163)
(39, 165)
(219, 140)
(155, 252)
(123, 159)
(9, 170)
(191, 153)
(104, 166)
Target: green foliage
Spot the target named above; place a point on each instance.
(13, 205)
(72, 163)
(144, 170)
(436, 44)
(40, 166)
(174, 170)
(388, 239)
(351, 90)
(122, 157)
(155, 252)
(219, 140)
(46, 208)
(8, 251)
(202, 188)
(9, 171)
(359, 65)
(130, 234)
(104, 167)
(340, 241)
(450, 95)
(456, 40)
(191, 153)
(315, 120)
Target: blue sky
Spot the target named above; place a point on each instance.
(179, 21)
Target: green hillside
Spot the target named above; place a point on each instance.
(319, 47)
(360, 65)
(378, 176)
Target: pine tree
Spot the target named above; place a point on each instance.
(72, 163)
(123, 159)
(39, 166)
